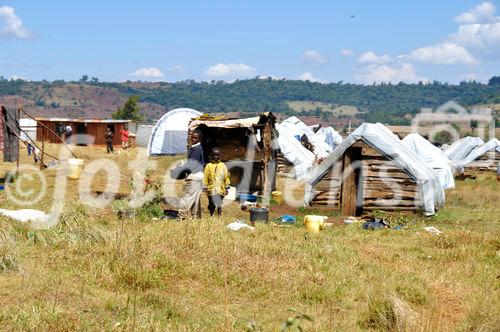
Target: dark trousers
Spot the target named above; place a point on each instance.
(215, 202)
(109, 147)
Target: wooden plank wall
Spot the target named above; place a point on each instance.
(328, 188)
(385, 185)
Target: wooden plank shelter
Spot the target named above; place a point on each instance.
(366, 180)
(247, 148)
(94, 128)
(372, 170)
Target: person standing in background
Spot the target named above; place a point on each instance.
(68, 131)
(108, 136)
(124, 137)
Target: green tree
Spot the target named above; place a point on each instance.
(129, 111)
(84, 78)
(473, 125)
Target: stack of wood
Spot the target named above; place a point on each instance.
(487, 162)
(284, 168)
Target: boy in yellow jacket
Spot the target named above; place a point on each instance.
(215, 181)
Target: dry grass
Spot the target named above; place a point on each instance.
(94, 271)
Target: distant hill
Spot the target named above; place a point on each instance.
(331, 103)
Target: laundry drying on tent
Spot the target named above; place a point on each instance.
(169, 135)
(372, 170)
(433, 157)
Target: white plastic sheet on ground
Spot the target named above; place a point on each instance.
(25, 215)
(433, 157)
(294, 152)
(388, 144)
(461, 148)
(492, 145)
(298, 128)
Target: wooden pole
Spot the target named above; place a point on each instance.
(18, 141)
(43, 148)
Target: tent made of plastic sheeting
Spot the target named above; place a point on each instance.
(433, 157)
(28, 129)
(375, 171)
(461, 148)
(169, 135)
(294, 152)
(486, 156)
(298, 128)
(142, 135)
(330, 136)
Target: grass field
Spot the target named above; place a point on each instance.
(345, 110)
(94, 271)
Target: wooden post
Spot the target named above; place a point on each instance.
(43, 148)
(18, 140)
(350, 182)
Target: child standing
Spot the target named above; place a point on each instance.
(108, 136)
(215, 181)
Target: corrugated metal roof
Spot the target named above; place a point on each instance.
(83, 120)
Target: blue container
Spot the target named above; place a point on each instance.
(248, 198)
(2, 187)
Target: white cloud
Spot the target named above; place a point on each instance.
(371, 57)
(445, 53)
(483, 37)
(314, 57)
(149, 72)
(230, 70)
(176, 69)
(265, 77)
(13, 25)
(474, 77)
(394, 74)
(483, 13)
(346, 52)
(307, 76)
(15, 77)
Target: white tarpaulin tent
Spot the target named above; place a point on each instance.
(169, 135)
(492, 146)
(295, 127)
(142, 135)
(28, 129)
(294, 152)
(330, 136)
(461, 148)
(433, 157)
(386, 143)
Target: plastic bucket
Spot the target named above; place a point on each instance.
(247, 198)
(259, 214)
(277, 196)
(75, 167)
(314, 223)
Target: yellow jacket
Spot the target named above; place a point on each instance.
(216, 178)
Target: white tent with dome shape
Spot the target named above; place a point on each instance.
(169, 135)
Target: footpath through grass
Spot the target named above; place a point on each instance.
(94, 271)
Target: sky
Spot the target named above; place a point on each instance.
(327, 41)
